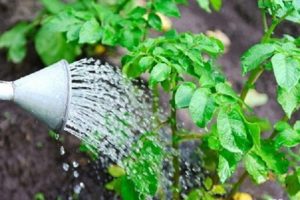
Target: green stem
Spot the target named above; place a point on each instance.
(175, 145)
(245, 174)
(264, 19)
(155, 104)
(273, 26)
(160, 125)
(250, 83)
(181, 137)
(266, 37)
(237, 185)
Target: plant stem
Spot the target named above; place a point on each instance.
(250, 83)
(189, 136)
(273, 26)
(237, 185)
(175, 145)
(245, 174)
(264, 19)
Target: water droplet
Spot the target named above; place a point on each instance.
(62, 151)
(66, 166)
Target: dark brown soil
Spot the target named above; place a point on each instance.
(30, 160)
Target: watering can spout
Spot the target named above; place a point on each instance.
(6, 90)
(45, 94)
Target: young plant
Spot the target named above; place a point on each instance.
(184, 66)
(63, 30)
(235, 134)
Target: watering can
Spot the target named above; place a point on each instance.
(45, 94)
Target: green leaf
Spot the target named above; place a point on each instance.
(225, 89)
(213, 141)
(73, 33)
(255, 131)
(116, 171)
(52, 47)
(199, 194)
(39, 196)
(137, 13)
(110, 36)
(289, 100)
(256, 167)
(255, 56)
(216, 4)
(297, 126)
(212, 46)
(128, 191)
(53, 6)
(130, 38)
(184, 94)
(274, 160)
(145, 164)
(159, 73)
(90, 32)
(15, 41)
(146, 63)
(204, 4)
(155, 21)
(286, 70)
(202, 107)
(167, 7)
(208, 183)
(286, 135)
(115, 184)
(292, 182)
(232, 131)
(227, 164)
(63, 22)
(131, 66)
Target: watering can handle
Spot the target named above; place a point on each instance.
(6, 90)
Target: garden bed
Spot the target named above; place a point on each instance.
(31, 160)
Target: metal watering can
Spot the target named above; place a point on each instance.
(45, 94)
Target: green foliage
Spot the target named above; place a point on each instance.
(292, 182)
(62, 29)
(185, 66)
(144, 171)
(174, 54)
(256, 167)
(232, 131)
(286, 71)
(289, 100)
(15, 41)
(141, 175)
(207, 4)
(287, 9)
(52, 46)
(39, 196)
(167, 7)
(287, 136)
(255, 56)
(202, 106)
(283, 55)
(184, 94)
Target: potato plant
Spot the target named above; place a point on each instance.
(231, 133)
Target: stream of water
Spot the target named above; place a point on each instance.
(110, 114)
(106, 111)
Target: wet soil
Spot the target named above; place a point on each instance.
(30, 160)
